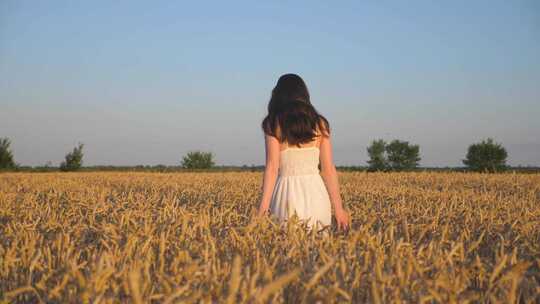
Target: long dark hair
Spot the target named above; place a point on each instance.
(291, 116)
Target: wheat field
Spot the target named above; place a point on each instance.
(189, 237)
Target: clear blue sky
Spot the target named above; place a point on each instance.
(145, 82)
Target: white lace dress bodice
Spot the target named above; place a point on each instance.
(299, 161)
(300, 189)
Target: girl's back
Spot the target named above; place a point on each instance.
(299, 188)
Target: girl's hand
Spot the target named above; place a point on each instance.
(262, 212)
(257, 214)
(342, 219)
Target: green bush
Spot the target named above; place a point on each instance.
(74, 159)
(396, 155)
(198, 160)
(402, 155)
(377, 158)
(486, 156)
(6, 156)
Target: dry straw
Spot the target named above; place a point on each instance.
(190, 238)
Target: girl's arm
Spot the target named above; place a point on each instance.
(270, 172)
(330, 177)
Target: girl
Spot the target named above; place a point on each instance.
(297, 139)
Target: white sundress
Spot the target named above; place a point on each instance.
(300, 188)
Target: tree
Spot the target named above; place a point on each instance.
(396, 155)
(6, 156)
(198, 160)
(402, 156)
(377, 158)
(74, 159)
(486, 156)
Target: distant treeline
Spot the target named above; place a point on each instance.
(245, 168)
(396, 155)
